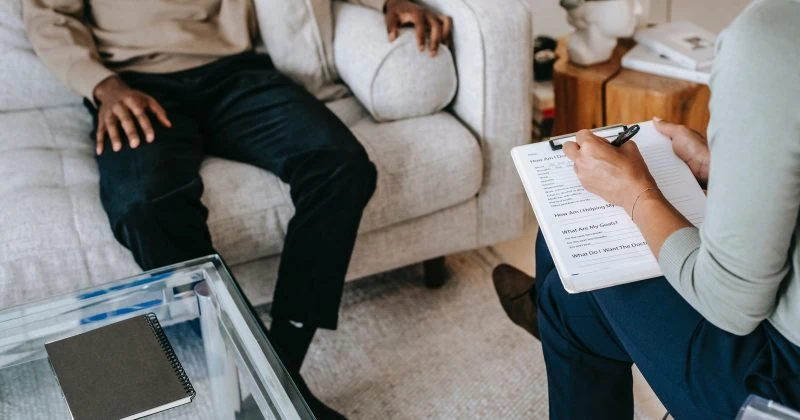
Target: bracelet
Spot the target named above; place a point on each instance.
(638, 196)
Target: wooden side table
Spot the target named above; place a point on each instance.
(606, 94)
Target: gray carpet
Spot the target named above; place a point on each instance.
(403, 351)
(406, 352)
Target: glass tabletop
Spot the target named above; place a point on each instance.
(230, 363)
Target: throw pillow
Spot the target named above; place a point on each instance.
(392, 80)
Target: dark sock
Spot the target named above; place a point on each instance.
(292, 343)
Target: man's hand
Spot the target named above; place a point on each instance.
(404, 12)
(121, 106)
(690, 146)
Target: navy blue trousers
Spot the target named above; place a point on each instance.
(698, 371)
(241, 108)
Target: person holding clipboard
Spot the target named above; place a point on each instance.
(724, 321)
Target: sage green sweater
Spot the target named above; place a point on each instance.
(742, 267)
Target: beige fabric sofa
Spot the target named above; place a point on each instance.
(446, 183)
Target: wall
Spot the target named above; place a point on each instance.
(714, 15)
(549, 18)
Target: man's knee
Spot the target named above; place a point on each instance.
(350, 167)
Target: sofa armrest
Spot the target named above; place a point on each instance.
(494, 57)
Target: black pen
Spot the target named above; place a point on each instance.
(625, 136)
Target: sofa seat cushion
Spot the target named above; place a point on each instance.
(53, 226)
(424, 165)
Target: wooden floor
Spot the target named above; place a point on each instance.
(520, 253)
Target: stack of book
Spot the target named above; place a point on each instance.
(544, 109)
(680, 50)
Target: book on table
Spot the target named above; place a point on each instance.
(595, 244)
(125, 370)
(641, 58)
(685, 43)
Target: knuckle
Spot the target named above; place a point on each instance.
(137, 106)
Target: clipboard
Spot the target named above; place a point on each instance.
(595, 244)
(557, 143)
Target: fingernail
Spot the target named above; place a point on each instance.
(150, 138)
(657, 119)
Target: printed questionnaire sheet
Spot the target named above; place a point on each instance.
(595, 244)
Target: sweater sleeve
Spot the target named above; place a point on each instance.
(64, 43)
(732, 269)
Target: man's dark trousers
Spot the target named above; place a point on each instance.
(699, 371)
(241, 108)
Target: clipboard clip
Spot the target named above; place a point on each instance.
(557, 143)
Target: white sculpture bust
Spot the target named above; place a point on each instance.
(598, 25)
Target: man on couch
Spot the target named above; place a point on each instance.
(170, 82)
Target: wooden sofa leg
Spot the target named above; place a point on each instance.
(435, 273)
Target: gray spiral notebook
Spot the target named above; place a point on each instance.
(126, 370)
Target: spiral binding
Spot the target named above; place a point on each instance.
(170, 353)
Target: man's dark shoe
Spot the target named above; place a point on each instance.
(513, 288)
(291, 340)
(318, 408)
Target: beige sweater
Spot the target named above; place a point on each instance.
(86, 41)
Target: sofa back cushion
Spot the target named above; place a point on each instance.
(298, 35)
(25, 82)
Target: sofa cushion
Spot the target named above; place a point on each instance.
(393, 80)
(52, 224)
(25, 83)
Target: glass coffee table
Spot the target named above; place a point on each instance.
(235, 371)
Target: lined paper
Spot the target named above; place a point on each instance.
(594, 243)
